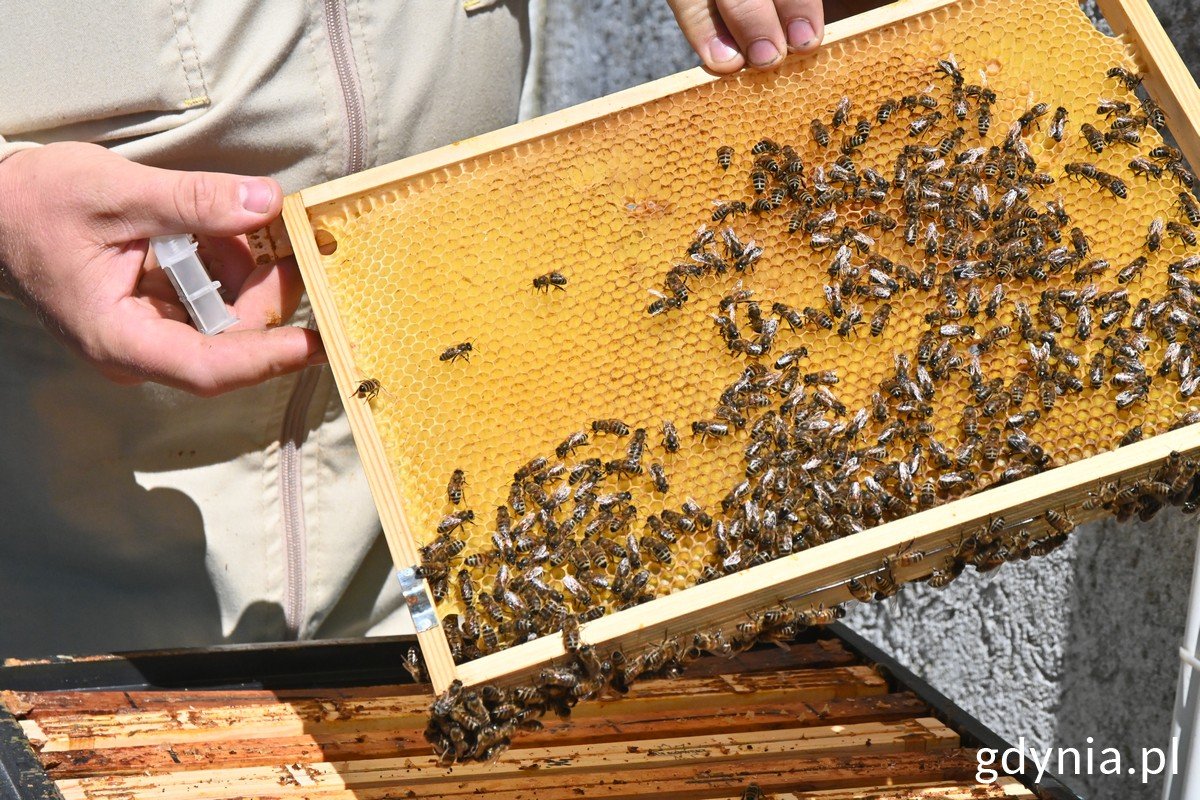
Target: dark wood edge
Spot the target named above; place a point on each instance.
(973, 732)
(21, 774)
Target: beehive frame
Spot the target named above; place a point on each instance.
(817, 575)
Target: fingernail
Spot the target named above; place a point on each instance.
(721, 49)
(762, 53)
(317, 359)
(800, 33)
(256, 196)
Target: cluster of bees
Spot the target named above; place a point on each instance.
(564, 512)
(570, 544)
(478, 723)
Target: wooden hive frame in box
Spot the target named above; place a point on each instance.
(817, 576)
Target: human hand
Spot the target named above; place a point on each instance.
(729, 34)
(74, 223)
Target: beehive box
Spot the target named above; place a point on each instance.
(408, 260)
(817, 719)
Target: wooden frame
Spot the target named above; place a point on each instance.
(815, 576)
(830, 715)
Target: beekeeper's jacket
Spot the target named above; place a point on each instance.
(145, 517)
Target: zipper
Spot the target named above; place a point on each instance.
(337, 25)
(291, 497)
(291, 436)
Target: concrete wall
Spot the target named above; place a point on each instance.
(1082, 643)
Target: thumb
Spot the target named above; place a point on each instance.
(161, 201)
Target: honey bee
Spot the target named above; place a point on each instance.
(555, 279)
(1129, 80)
(657, 549)
(764, 146)
(1060, 521)
(1154, 235)
(1047, 394)
(706, 428)
(637, 446)
(659, 476)
(1181, 174)
(1058, 125)
(1121, 137)
(454, 521)
(454, 636)
(1182, 232)
(1111, 108)
(455, 352)
(413, 666)
(758, 178)
(1080, 242)
(885, 582)
(466, 587)
(1083, 323)
(664, 303)
(1091, 270)
(886, 110)
(1023, 418)
(818, 317)
(1031, 117)
(841, 112)
(827, 616)
(862, 132)
(1166, 153)
(820, 133)
(874, 218)
(1132, 271)
(992, 338)
(724, 156)
(614, 427)
(923, 123)
(852, 319)
(879, 319)
(1094, 138)
(1191, 209)
(367, 389)
(454, 491)
(949, 66)
(723, 210)
(918, 101)
(1130, 396)
(859, 590)
(931, 240)
(569, 445)
(954, 330)
(984, 119)
(970, 422)
(833, 292)
(1113, 184)
(947, 145)
(530, 468)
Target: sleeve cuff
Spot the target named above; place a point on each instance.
(8, 148)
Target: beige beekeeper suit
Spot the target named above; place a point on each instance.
(144, 517)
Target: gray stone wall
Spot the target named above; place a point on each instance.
(1082, 643)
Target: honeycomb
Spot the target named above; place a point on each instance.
(448, 257)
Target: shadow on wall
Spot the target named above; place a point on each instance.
(991, 643)
(1119, 668)
(596, 47)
